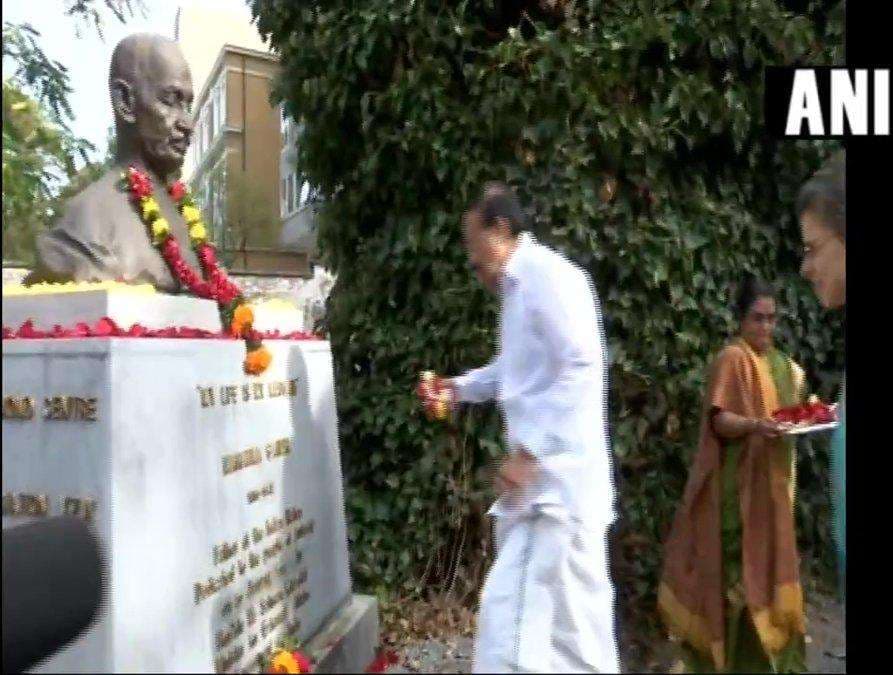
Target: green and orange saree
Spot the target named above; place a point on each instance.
(730, 590)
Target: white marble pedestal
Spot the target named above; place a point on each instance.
(218, 496)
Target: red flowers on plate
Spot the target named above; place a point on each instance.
(807, 414)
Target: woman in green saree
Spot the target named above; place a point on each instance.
(730, 589)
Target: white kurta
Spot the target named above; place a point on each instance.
(548, 602)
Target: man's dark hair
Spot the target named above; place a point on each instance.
(825, 194)
(500, 201)
(751, 290)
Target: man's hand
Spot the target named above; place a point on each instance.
(518, 472)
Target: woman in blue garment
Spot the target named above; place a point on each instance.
(821, 207)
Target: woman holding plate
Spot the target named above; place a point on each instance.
(730, 589)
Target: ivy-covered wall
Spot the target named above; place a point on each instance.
(633, 132)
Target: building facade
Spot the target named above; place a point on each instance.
(235, 169)
(201, 29)
(298, 204)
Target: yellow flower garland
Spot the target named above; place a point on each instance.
(237, 315)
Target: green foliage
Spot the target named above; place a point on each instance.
(93, 12)
(40, 152)
(633, 130)
(36, 154)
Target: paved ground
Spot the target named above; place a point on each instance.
(825, 649)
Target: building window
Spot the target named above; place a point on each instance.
(290, 194)
(219, 222)
(283, 125)
(218, 101)
(206, 197)
(211, 126)
(210, 119)
(283, 204)
(208, 126)
(204, 134)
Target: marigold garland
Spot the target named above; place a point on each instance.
(214, 283)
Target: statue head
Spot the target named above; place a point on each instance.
(151, 89)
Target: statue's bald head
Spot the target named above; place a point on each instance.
(151, 90)
(141, 55)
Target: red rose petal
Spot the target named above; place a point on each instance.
(27, 330)
(106, 327)
(137, 330)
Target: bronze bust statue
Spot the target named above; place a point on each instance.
(101, 235)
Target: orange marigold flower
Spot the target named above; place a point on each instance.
(284, 662)
(257, 361)
(243, 318)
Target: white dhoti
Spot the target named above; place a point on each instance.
(548, 603)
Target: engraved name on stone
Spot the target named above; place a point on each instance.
(79, 507)
(25, 504)
(18, 407)
(241, 460)
(253, 456)
(68, 408)
(56, 408)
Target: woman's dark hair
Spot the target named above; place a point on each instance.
(825, 194)
(749, 291)
(500, 201)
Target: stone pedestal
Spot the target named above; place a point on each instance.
(217, 496)
(155, 311)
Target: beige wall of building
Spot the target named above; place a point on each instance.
(202, 29)
(256, 150)
(237, 143)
